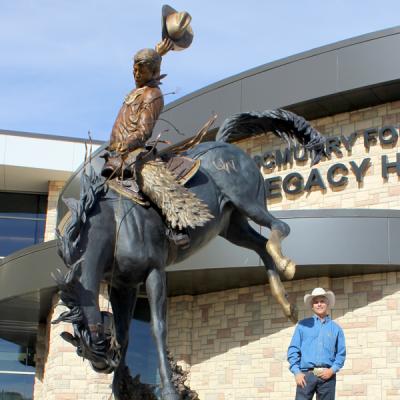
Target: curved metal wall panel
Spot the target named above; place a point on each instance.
(29, 270)
(369, 62)
(318, 237)
(342, 237)
(304, 79)
(313, 76)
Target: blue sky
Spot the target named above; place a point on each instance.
(65, 65)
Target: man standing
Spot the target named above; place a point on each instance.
(317, 350)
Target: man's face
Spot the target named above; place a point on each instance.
(142, 74)
(320, 306)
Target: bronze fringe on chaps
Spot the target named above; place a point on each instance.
(179, 205)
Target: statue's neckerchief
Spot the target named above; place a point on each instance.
(154, 83)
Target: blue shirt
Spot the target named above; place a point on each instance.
(316, 343)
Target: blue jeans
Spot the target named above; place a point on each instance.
(325, 389)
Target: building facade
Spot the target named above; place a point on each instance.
(224, 326)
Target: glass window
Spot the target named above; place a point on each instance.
(15, 234)
(142, 356)
(15, 358)
(22, 221)
(16, 386)
(16, 372)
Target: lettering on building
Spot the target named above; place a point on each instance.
(338, 174)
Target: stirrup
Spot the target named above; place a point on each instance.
(180, 238)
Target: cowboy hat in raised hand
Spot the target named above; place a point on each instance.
(176, 27)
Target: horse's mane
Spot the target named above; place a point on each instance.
(91, 187)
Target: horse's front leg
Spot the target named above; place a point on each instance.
(123, 302)
(157, 293)
(97, 255)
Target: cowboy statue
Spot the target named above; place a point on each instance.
(132, 165)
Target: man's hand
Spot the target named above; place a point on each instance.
(300, 379)
(326, 374)
(164, 46)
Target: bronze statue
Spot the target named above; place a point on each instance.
(143, 105)
(133, 127)
(140, 110)
(123, 240)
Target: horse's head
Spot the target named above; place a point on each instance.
(95, 342)
(98, 345)
(94, 334)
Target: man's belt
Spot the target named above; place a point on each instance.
(317, 370)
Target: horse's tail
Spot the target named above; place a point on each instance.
(284, 124)
(90, 188)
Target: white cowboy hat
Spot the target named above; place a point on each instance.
(176, 26)
(308, 298)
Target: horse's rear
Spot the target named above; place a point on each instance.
(240, 185)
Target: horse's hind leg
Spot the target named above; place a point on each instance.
(240, 233)
(156, 288)
(258, 213)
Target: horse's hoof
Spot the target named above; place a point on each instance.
(290, 270)
(287, 267)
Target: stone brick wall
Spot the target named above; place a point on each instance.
(374, 192)
(55, 188)
(237, 346)
(234, 343)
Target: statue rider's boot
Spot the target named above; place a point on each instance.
(112, 166)
(133, 187)
(180, 237)
(130, 179)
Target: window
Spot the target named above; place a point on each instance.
(17, 372)
(22, 221)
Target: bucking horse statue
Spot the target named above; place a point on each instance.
(124, 243)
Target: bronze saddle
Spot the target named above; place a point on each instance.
(161, 178)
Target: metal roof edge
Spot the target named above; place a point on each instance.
(47, 136)
(283, 61)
